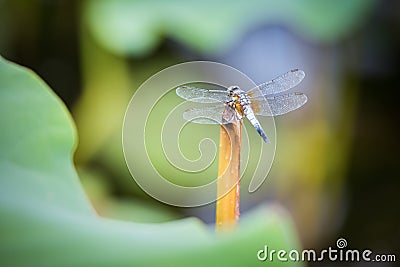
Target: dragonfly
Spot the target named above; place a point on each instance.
(234, 104)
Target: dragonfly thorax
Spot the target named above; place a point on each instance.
(239, 100)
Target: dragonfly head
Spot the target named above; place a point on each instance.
(233, 90)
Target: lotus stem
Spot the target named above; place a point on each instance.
(228, 204)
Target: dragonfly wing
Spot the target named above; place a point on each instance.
(202, 95)
(278, 85)
(278, 105)
(215, 114)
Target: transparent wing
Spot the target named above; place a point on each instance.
(280, 84)
(202, 95)
(278, 105)
(215, 114)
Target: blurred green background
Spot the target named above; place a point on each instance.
(336, 164)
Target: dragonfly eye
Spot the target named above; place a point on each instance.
(232, 90)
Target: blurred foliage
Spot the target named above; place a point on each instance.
(112, 30)
(336, 166)
(137, 27)
(45, 219)
(98, 188)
